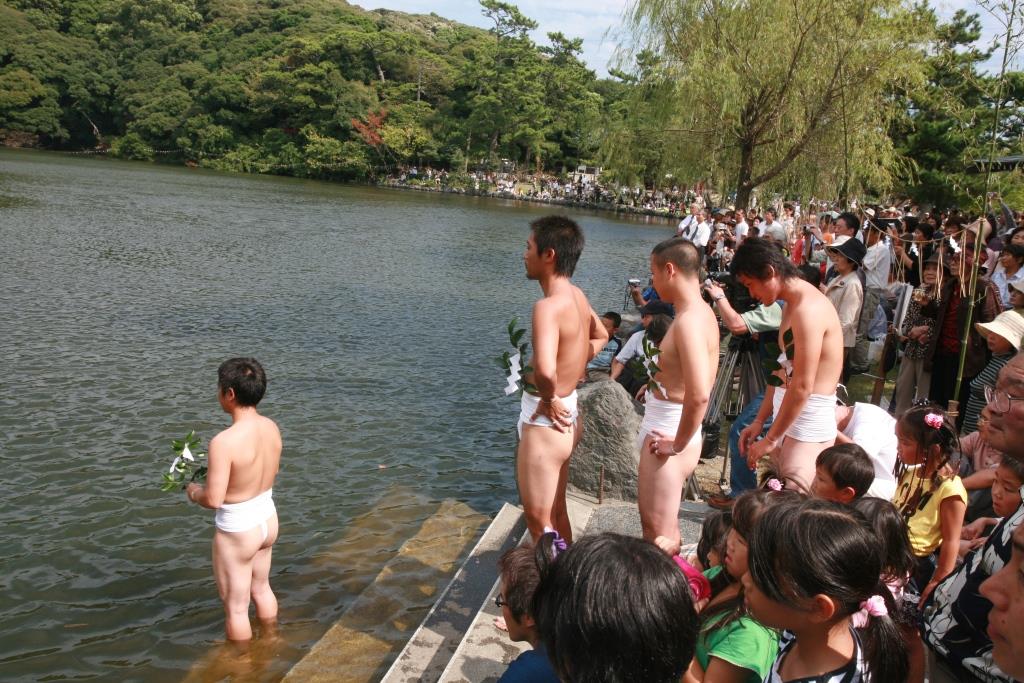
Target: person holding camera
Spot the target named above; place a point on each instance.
(755, 322)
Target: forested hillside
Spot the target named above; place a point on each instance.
(314, 88)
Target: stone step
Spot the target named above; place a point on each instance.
(359, 647)
(431, 647)
(485, 652)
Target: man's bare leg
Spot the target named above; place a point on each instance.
(262, 595)
(660, 484)
(234, 557)
(795, 461)
(542, 468)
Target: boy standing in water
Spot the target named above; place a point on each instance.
(566, 334)
(243, 461)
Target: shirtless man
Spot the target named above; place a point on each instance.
(805, 416)
(566, 334)
(670, 435)
(243, 462)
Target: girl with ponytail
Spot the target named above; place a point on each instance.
(929, 494)
(814, 565)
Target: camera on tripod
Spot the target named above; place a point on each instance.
(737, 295)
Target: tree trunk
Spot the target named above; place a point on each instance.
(465, 159)
(743, 185)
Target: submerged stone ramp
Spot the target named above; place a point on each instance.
(359, 647)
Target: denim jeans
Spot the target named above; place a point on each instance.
(741, 477)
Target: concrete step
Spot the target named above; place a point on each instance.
(431, 647)
(361, 644)
(485, 652)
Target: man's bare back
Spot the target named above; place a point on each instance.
(243, 463)
(253, 448)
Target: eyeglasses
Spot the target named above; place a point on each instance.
(499, 601)
(1000, 401)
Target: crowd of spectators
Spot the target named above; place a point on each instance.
(904, 560)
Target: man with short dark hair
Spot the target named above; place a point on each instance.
(847, 224)
(811, 337)
(243, 462)
(566, 334)
(519, 578)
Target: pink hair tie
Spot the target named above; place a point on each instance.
(933, 420)
(872, 607)
(775, 484)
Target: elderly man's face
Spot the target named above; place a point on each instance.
(1005, 428)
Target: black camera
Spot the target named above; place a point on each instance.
(737, 295)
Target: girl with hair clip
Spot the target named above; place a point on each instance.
(732, 647)
(929, 495)
(898, 563)
(814, 565)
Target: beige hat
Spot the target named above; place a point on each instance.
(1018, 285)
(1009, 325)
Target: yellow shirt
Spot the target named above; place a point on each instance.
(925, 526)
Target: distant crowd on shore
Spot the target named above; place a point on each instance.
(575, 189)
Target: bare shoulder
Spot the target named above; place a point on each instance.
(698, 322)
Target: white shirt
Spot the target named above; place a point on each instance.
(699, 234)
(634, 346)
(685, 224)
(876, 266)
(740, 231)
(874, 430)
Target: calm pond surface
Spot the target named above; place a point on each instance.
(376, 314)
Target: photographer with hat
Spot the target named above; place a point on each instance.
(846, 292)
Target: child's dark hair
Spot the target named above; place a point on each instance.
(849, 466)
(614, 317)
(747, 509)
(817, 547)
(898, 561)
(246, 377)
(1014, 465)
(811, 274)
(929, 426)
(713, 532)
(658, 327)
(520, 576)
(614, 608)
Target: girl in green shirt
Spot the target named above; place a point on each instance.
(732, 647)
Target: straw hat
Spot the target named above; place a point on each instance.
(1009, 325)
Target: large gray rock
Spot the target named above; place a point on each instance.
(611, 420)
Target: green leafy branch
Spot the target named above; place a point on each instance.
(186, 467)
(771, 362)
(515, 338)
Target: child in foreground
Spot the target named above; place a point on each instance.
(519, 579)
(898, 563)
(842, 473)
(813, 566)
(1006, 498)
(929, 495)
(731, 645)
(614, 608)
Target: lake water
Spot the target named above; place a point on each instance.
(376, 314)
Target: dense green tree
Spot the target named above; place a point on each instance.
(750, 88)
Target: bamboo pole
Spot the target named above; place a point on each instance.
(973, 286)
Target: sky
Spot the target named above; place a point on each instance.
(596, 21)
